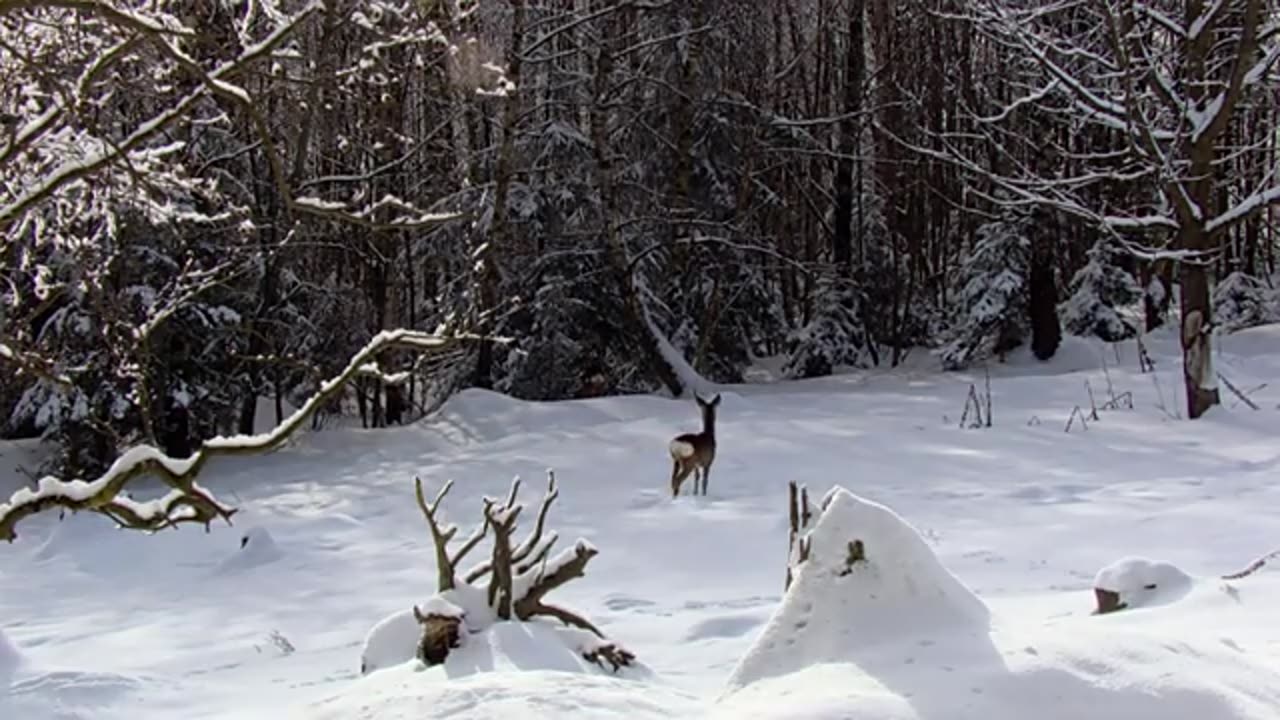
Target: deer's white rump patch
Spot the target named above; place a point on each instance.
(681, 449)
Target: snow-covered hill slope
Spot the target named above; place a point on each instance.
(113, 625)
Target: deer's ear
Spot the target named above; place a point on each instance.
(715, 401)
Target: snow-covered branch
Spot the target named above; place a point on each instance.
(109, 153)
(187, 501)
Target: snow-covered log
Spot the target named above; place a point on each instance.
(187, 501)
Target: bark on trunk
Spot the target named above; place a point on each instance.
(1197, 365)
(615, 253)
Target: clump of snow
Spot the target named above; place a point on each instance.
(1140, 582)
(392, 641)
(257, 547)
(437, 605)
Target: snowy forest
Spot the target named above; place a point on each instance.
(209, 202)
(311, 285)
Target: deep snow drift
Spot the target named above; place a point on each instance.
(1022, 517)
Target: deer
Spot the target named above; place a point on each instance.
(694, 452)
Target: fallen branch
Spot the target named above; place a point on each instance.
(187, 502)
(567, 566)
(1237, 392)
(1253, 567)
(610, 653)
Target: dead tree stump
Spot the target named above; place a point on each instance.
(440, 634)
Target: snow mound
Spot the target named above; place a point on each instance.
(1140, 582)
(894, 636)
(477, 416)
(257, 547)
(899, 590)
(525, 666)
(392, 641)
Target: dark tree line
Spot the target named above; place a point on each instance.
(208, 203)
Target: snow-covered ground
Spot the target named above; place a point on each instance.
(98, 623)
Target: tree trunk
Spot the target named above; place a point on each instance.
(1046, 330)
(615, 252)
(843, 233)
(1197, 366)
(500, 231)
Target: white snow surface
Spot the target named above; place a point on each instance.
(996, 537)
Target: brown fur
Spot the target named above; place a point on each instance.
(703, 445)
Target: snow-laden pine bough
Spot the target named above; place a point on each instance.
(187, 501)
(511, 585)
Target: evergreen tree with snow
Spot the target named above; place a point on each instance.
(1242, 301)
(1100, 292)
(992, 293)
(835, 336)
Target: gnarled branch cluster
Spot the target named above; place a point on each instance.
(517, 577)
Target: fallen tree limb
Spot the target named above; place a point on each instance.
(187, 502)
(1253, 567)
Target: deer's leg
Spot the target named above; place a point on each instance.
(679, 472)
(706, 476)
